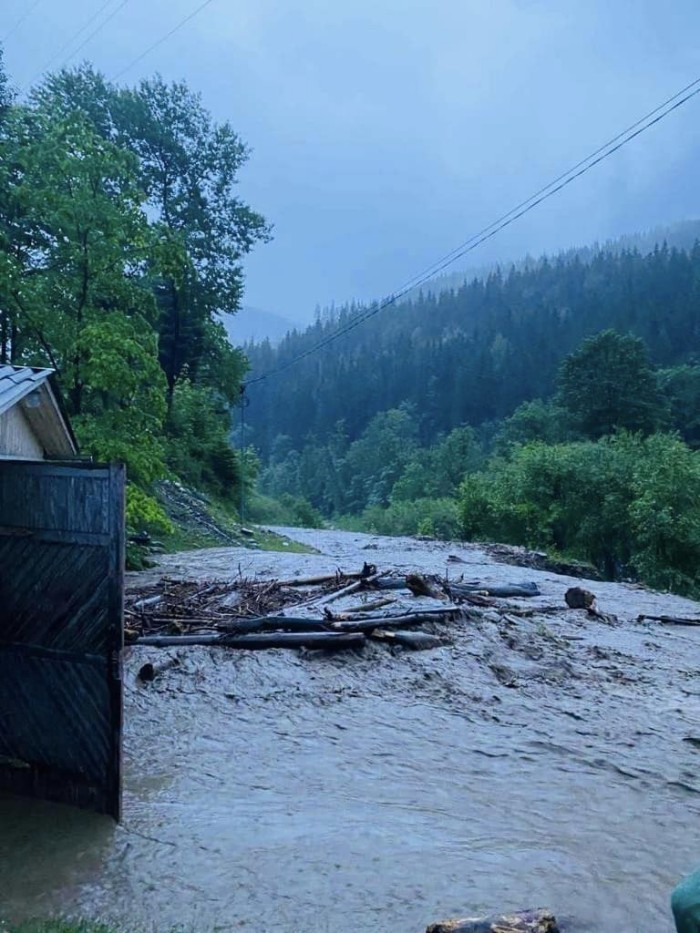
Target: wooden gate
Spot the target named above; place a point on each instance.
(61, 585)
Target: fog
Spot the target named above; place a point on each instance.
(383, 133)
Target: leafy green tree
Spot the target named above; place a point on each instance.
(76, 290)
(680, 388)
(533, 421)
(5, 90)
(628, 504)
(665, 515)
(189, 170)
(198, 448)
(608, 385)
(376, 460)
(436, 472)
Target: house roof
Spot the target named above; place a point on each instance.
(44, 412)
(18, 381)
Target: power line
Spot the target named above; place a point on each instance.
(24, 16)
(162, 39)
(76, 35)
(559, 178)
(543, 194)
(100, 26)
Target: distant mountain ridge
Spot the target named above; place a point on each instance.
(681, 235)
(254, 325)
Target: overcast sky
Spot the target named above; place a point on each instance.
(385, 132)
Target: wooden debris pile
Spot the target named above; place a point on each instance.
(298, 613)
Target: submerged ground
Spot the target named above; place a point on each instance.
(550, 760)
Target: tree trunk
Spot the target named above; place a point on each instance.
(328, 640)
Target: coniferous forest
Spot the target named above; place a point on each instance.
(555, 405)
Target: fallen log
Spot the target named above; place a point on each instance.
(331, 641)
(416, 641)
(523, 921)
(500, 591)
(367, 571)
(272, 624)
(146, 603)
(420, 585)
(318, 602)
(669, 620)
(389, 583)
(413, 618)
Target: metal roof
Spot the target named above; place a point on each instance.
(18, 381)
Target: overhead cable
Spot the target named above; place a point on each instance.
(74, 37)
(86, 25)
(162, 39)
(24, 16)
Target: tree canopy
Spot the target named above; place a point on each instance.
(122, 238)
(608, 385)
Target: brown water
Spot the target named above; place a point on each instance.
(539, 763)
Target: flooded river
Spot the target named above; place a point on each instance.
(542, 761)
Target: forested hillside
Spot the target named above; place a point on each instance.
(122, 237)
(556, 406)
(473, 355)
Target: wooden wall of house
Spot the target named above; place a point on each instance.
(17, 440)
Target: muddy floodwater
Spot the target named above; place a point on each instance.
(542, 761)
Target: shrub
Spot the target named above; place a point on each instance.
(624, 503)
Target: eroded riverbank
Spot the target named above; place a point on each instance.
(540, 762)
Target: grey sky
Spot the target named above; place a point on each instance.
(384, 132)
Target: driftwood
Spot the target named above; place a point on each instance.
(367, 571)
(372, 607)
(669, 620)
(499, 591)
(272, 624)
(389, 583)
(412, 618)
(524, 921)
(147, 603)
(321, 601)
(423, 586)
(416, 641)
(330, 641)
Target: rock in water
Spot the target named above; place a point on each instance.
(577, 598)
(522, 921)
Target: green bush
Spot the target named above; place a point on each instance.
(437, 517)
(626, 504)
(284, 510)
(144, 513)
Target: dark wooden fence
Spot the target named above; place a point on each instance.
(61, 585)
